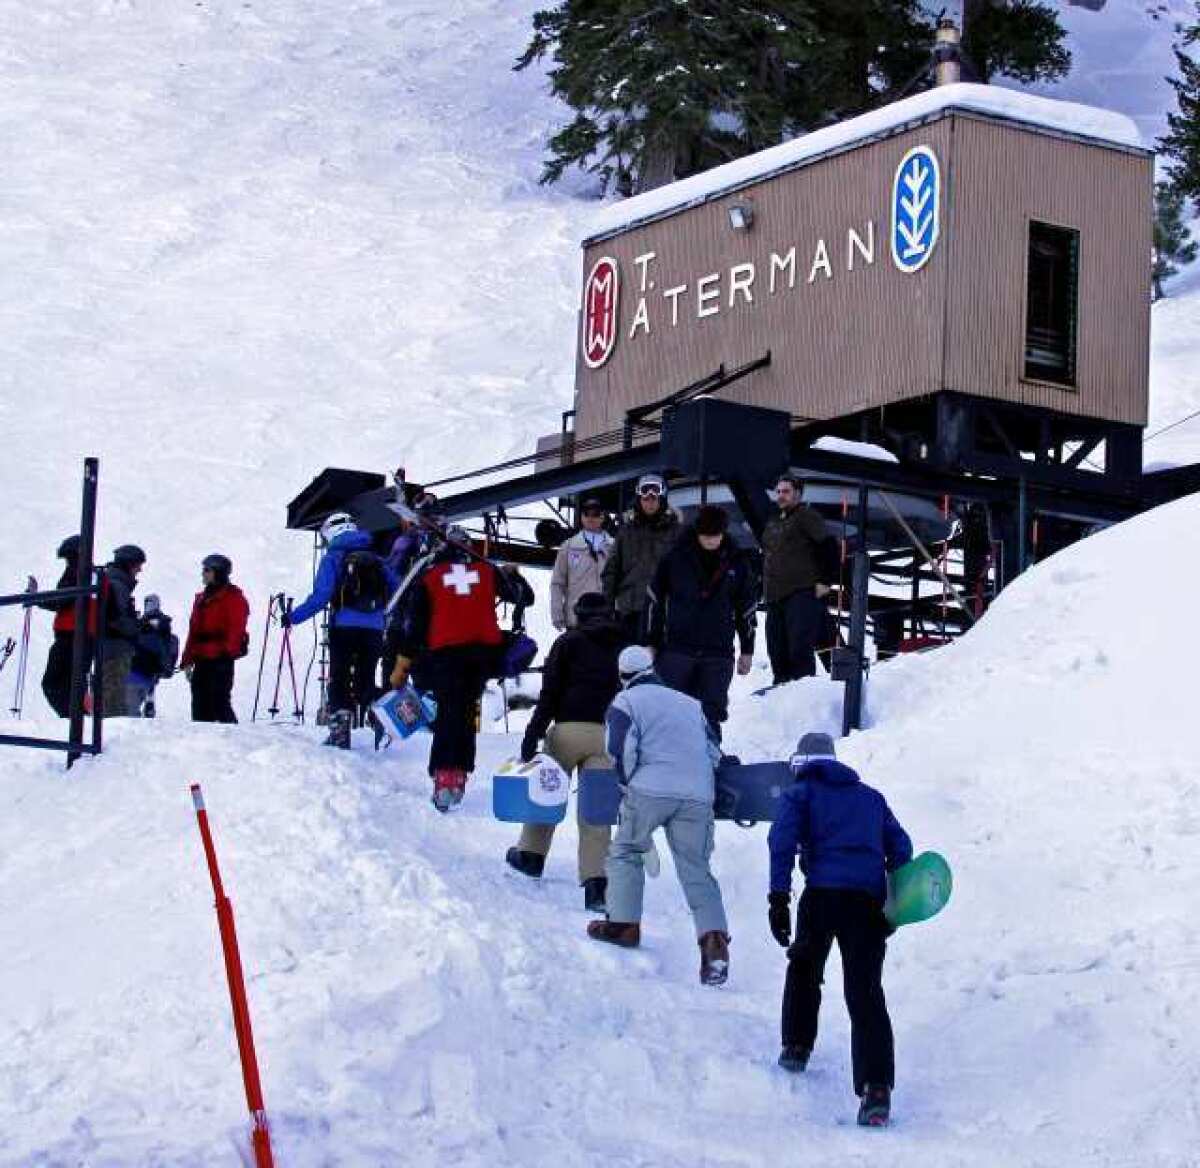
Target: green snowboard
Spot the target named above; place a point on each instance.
(919, 890)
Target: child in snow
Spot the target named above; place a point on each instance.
(848, 839)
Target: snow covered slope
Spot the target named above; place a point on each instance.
(416, 1005)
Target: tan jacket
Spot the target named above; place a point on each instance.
(577, 569)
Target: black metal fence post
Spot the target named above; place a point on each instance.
(852, 704)
(83, 579)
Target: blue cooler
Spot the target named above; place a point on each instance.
(599, 797)
(402, 712)
(749, 793)
(532, 792)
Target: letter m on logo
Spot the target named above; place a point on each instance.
(600, 312)
(916, 209)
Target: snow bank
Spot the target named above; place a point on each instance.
(1080, 121)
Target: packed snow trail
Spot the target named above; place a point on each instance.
(415, 1003)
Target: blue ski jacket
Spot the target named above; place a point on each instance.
(326, 584)
(844, 830)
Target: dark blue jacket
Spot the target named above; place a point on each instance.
(326, 584)
(844, 830)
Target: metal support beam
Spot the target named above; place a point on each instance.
(83, 579)
(852, 703)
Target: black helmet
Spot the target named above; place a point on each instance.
(593, 606)
(69, 548)
(218, 563)
(129, 553)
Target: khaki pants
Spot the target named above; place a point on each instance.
(571, 745)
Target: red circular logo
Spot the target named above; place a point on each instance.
(600, 312)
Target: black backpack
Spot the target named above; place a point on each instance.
(362, 584)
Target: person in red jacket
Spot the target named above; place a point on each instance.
(216, 639)
(447, 617)
(56, 682)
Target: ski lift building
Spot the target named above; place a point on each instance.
(962, 277)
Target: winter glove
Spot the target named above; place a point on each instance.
(285, 619)
(399, 675)
(779, 915)
(744, 663)
(529, 748)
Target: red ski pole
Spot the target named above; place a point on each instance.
(261, 1135)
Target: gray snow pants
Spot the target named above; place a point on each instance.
(689, 830)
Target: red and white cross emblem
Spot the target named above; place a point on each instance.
(600, 312)
(461, 578)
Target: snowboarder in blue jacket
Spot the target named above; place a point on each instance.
(848, 840)
(354, 584)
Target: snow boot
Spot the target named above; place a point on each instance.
(449, 784)
(595, 892)
(714, 958)
(382, 737)
(339, 729)
(628, 936)
(794, 1059)
(149, 710)
(876, 1107)
(527, 863)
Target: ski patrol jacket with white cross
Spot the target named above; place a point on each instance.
(452, 603)
(661, 742)
(326, 583)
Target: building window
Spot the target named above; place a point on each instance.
(1052, 304)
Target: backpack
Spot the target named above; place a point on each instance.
(362, 583)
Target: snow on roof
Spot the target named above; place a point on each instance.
(859, 449)
(1080, 121)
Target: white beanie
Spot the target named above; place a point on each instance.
(634, 661)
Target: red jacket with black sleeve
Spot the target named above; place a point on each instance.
(218, 626)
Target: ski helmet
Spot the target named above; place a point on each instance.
(337, 524)
(651, 484)
(69, 548)
(221, 565)
(129, 553)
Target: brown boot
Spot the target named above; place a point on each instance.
(628, 936)
(714, 958)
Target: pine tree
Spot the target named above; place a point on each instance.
(1173, 246)
(666, 88)
(1019, 39)
(1181, 144)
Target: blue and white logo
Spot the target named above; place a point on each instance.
(916, 217)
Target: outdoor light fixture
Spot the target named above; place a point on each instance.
(741, 216)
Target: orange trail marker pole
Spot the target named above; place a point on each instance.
(261, 1135)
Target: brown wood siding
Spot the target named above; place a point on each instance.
(861, 338)
(1003, 177)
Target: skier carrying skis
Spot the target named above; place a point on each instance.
(120, 628)
(847, 839)
(579, 681)
(216, 638)
(665, 755)
(447, 618)
(704, 592)
(354, 583)
(649, 531)
(56, 681)
(154, 657)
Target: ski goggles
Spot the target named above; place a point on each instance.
(650, 490)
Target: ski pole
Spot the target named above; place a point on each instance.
(262, 657)
(285, 646)
(23, 656)
(261, 1134)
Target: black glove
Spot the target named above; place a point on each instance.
(780, 917)
(285, 619)
(529, 747)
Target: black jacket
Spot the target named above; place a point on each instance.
(121, 621)
(580, 678)
(699, 600)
